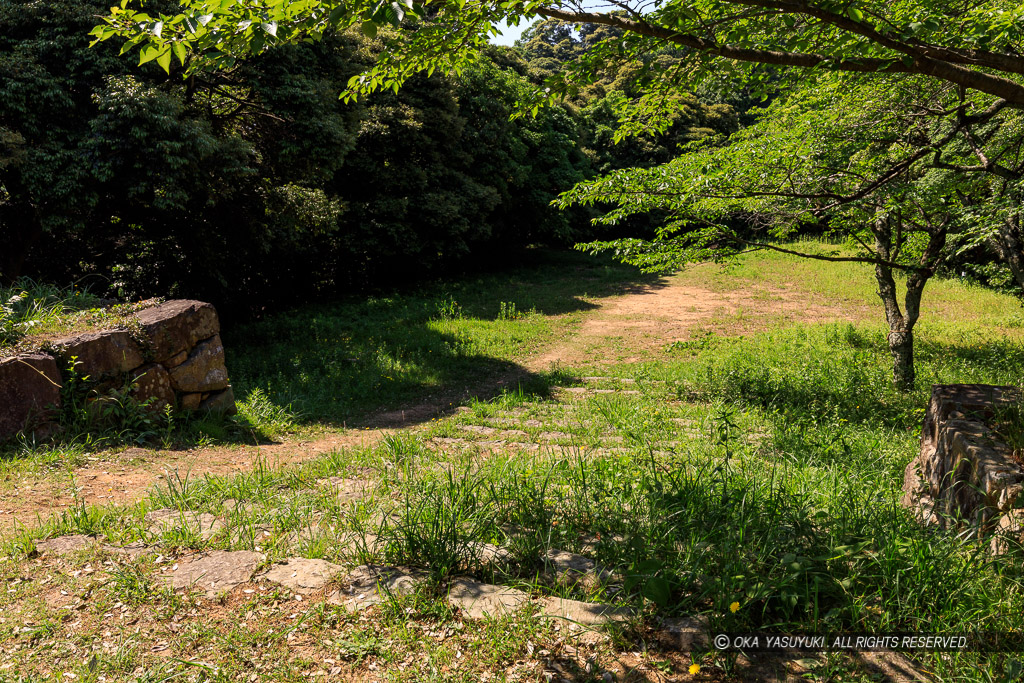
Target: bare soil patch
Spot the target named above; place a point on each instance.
(124, 477)
(641, 324)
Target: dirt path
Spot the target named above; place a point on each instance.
(629, 328)
(638, 326)
(125, 476)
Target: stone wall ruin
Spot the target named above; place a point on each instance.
(965, 475)
(173, 355)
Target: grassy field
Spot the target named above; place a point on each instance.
(748, 476)
(336, 363)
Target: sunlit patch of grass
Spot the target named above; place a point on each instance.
(953, 303)
(334, 363)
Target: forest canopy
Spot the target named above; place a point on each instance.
(666, 132)
(253, 185)
(919, 168)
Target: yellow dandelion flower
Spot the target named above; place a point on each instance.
(694, 669)
(734, 607)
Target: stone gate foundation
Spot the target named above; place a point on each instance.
(965, 475)
(172, 356)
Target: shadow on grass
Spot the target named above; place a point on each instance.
(374, 361)
(841, 373)
(74, 442)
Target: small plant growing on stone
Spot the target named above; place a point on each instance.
(27, 305)
(109, 417)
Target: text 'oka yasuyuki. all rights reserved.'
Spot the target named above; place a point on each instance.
(890, 642)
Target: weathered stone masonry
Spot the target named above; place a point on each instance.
(965, 475)
(174, 356)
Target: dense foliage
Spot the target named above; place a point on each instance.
(255, 185)
(922, 167)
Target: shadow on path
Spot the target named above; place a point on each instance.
(402, 359)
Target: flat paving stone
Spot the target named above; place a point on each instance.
(505, 434)
(477, 429)
(370, 584)
(203, 523)
(497, 558)
(303, 575)
(216, 572)
(349, 490)
(512, 424)
(447, 441)
(64, 545)
(478, 600)
(584, 613)
(567, 569)
(684, 633)
(132, 550)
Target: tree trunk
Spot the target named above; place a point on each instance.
(901, 346)
(901, 322)
(901, 330)
(1007, 242)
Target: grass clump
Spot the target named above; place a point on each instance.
(261, 414)
(27, 307)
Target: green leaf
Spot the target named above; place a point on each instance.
(855, 14)
(270, 27)
(180, 52)
(369, 29)
(148, 54)
(337, 14)
(658, 591)
(164, 60)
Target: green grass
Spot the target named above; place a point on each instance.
(334, 363)
(33, 312)
(763, 470)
